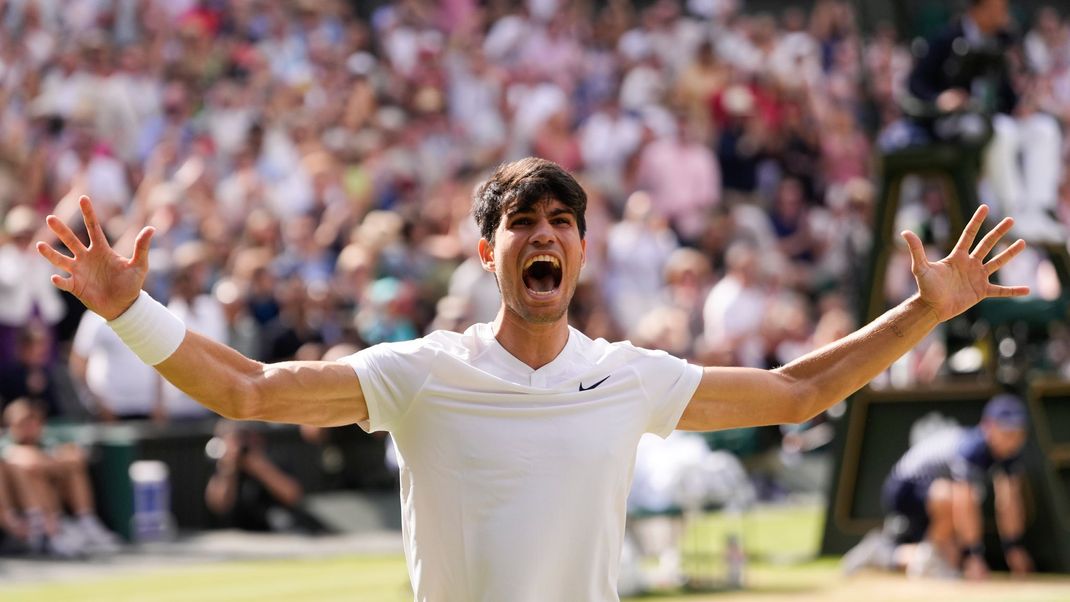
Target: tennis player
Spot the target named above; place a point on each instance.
(516, 439)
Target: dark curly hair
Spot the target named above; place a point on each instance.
(519, 185)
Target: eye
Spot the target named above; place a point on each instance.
(520, 221)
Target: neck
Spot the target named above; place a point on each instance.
(535, 344)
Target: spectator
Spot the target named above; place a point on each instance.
(682, 177)
(49, 476)
(556, 142)
(471, 285)
(844, 148)
(1047, 45)
(688, 278)
(609, 138)
(790, 219)
(845, 233)
(14, 534)
(248, 490)
(26, 295)
(742, 139)
(736, 305)
(637, 250)
(965, 69)
(700, 81)
(34, 374)
(118, 384)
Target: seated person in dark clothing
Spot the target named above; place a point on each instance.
(33, 374)
(961, 77)
(934, 497)
(965, 65)
(248, 490)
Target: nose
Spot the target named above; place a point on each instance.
(543, 233)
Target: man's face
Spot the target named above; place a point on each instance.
(24, 425)
(536, 256)
(1002, 441)
(992, 16)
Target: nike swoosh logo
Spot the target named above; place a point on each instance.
(582, 388)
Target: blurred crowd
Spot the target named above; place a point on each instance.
(308, 169)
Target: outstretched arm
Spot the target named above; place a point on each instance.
(225, 381)
(736, 397)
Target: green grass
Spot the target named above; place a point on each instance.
(375, 579)
(368, 579)
(768, 533)
(799, 581)
(383, 579)
(774, 533)
(780, 542)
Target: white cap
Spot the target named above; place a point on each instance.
(148, 471)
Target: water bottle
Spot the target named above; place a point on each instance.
(152, 519)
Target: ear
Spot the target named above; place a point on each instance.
(583, 252)
(486, 254)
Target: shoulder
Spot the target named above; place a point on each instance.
(601, 351)
(939, 44)
(972, 446)
(947, 35)
(438, 343)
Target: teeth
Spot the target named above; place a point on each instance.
(553, 260)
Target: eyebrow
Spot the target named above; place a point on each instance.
(527, 210)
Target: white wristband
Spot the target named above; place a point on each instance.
(149, 329)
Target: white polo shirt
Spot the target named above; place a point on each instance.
(513, 480)
(113, 372)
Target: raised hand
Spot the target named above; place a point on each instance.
(960, 280)
(104, 281)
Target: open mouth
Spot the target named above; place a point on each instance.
(542, 275)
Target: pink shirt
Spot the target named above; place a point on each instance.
(684, 182)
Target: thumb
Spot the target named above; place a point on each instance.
(918, 262)
(141, 247)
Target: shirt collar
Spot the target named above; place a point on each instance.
(522, 372)
(972, 32)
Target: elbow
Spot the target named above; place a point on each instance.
(806, 401)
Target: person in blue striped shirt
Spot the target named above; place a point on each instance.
(934, 496)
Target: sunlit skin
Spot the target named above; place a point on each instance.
(534, 328)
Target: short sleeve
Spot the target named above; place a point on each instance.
(971, 462)
(391, 376)
(669, 383)
(86, 335)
